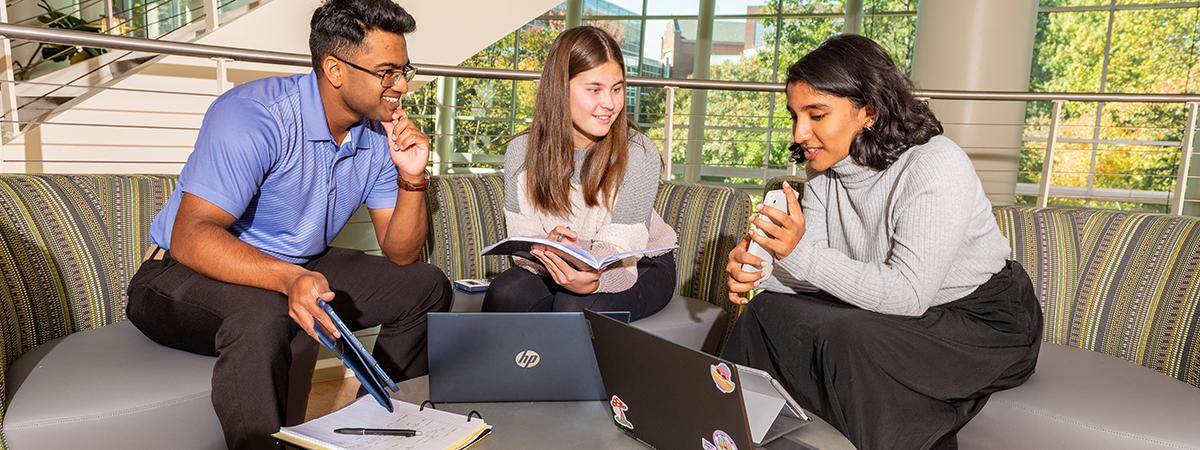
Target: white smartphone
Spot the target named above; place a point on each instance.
(773, 199)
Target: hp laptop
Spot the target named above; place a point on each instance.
(498, 357)
(670, 396)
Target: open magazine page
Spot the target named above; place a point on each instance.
(522, 245)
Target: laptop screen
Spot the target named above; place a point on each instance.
(667, 395)
(492, 357)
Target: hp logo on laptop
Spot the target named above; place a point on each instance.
(527, 359)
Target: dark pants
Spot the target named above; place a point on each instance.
(519, 290)
(893, 381)
(249, 330)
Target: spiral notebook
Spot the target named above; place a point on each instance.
(437, 429)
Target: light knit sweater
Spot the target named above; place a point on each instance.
(918, 234)
(632, 224)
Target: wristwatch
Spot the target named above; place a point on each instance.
(414, 187)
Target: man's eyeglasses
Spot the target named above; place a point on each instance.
(387, 78)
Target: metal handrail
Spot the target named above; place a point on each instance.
(1045, 189)
(98, 22)
(69, 37)
(145, 27)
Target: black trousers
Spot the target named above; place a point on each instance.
(893, 381)
(519, 290)
(249, 330)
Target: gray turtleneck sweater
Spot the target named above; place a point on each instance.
(918, 234)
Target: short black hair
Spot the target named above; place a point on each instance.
(339, 26)
(860, 70)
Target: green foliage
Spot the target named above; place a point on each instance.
(1152, 51)
(492, 111)
(59, 20)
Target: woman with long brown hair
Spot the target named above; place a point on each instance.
(583, 175)
(892, 311)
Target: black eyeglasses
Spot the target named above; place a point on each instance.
(387, 78)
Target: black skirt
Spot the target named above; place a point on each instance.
(895, 381)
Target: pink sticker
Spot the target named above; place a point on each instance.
(720, 441)
(619, 407)
(722, 377)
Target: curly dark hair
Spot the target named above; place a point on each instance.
(858, 69)
(338, 27)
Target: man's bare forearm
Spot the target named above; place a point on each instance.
(210, 250)
(407, 228)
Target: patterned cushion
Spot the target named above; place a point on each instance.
(466, 214)
(71, 243)
(68, 246)
(1044, 242)
(1138, 295)
(709, 220)
(1122, 284)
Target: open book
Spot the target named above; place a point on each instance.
(436, 429)
(521, 245)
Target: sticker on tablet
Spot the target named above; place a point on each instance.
(619, 407)
(720, 441)
(722, 377)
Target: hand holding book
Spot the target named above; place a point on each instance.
(572, 276)
(566, 236)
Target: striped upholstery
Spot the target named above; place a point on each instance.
(1122, 284)
(466, 214)
(1046, 244)
(70, 244)
(709, 221)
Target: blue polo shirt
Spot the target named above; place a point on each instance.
(265, 156)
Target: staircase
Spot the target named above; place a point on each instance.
(48, 85)
(139, 113)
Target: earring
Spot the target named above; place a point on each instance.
(869, 125)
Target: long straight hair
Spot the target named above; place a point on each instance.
(550, 159)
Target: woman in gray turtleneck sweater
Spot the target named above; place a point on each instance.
(892, 311)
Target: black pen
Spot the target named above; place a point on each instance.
(378, 431)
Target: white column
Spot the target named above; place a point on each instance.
(222, 74)
(444, 124)
(694, 158)
(854, 17)
(212, 15)
(979, 45)
(109, 24)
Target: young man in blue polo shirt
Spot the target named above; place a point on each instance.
(279, 167)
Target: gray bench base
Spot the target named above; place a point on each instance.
(112, 387)
(1083, 399)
